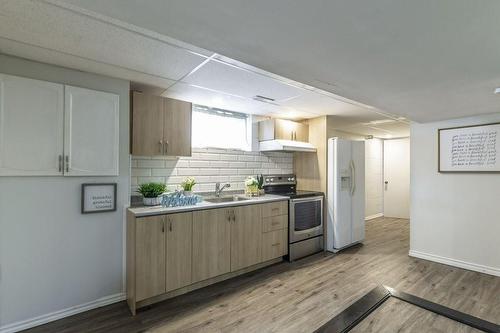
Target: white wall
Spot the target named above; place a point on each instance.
(374, 173)
(52, 257)
(455, 217)
(209, 166)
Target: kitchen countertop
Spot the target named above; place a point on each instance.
(160, 210)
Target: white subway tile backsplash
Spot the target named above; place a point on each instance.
(237, 165)
(140, 172)
(217, 164)
(150, 163)
(163, 172)
(227, 157)
(246, 158)
(208, 166)
(199, 164)
(142, 180)
(188, 172)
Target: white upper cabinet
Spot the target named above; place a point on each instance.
(31, 127)
(48, 129)
(91, 132)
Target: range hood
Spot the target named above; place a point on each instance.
(286, 145)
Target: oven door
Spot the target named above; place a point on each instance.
(306, 218)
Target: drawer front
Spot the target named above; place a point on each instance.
(275, 209)
(274, 244)
(274, 223)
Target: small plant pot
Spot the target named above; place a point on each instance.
(152, 201)
(188, 193)
(261, 191)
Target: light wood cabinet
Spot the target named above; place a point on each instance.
(281, 129)
(275, 209)
(211, 243)
(147, 118)
(246, 236)
(274, 244)
(160, 126)
(171, 254)
(179, 231)
(149, 257)
(50, 129)
(301, 132)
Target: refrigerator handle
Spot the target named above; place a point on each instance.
(353, 177)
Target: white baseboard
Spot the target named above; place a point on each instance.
(456, 263)
(374, 216)
(43, 319)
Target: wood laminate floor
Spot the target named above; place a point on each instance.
(302, 296)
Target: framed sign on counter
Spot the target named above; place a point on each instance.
(98, 198)
(469, 148)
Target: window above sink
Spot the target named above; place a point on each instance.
(218, 128)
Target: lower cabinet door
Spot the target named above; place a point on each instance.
(211, 243)
(246, 236)
(179, 233)
(274, 244)
(149, 257)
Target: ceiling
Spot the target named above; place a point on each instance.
(427, 60)
(56, 32)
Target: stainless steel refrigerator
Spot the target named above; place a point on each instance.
(345, 194)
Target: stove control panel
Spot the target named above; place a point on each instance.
(288, 179)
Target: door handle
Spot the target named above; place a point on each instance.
(60, 163)
(67, 163)
(161, 146)
(353, 177)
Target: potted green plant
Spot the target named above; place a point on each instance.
(260, 184)
(151, 193)
(187, 186)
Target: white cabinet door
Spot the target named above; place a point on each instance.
(31, 127)
(91, 132)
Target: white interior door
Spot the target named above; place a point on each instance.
(31, 127)
(397, 178)
(91, 133)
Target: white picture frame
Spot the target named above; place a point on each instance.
(473, 148)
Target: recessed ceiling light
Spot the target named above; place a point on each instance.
(497, 91)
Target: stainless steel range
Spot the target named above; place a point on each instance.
(305, 215)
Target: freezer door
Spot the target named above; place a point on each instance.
(358, 192)
(339, 233)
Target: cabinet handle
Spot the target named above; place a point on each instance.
(60, 163)
(275, 223)
(234, 217)
(163, 227)
(295, 136)
(170, 226)
(275, 244)
(275, 209)
(161, 146)
(67, 163)
(291, 135)
(165, 151)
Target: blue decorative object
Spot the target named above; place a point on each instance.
(177, 198)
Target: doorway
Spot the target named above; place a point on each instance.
(397, 178)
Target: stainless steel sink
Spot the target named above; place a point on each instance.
(228, 198)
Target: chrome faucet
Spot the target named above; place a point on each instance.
(218, 188)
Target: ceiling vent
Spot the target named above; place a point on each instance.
(265, 99)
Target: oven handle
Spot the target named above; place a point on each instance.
(317, 198)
